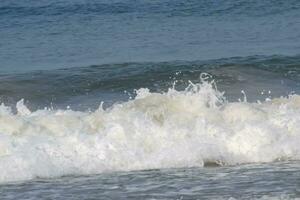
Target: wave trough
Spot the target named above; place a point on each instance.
(154, 130)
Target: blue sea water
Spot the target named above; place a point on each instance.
(39, 35)
(150, 99)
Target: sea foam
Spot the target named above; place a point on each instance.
(187, 128)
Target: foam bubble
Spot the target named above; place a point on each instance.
(155, 130)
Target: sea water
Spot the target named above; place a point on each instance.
(149, 99)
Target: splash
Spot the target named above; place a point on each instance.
(189, 128)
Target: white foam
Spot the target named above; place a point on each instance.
(154, 130)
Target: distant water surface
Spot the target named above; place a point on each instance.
(62, 33)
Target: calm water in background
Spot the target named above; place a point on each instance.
(60, 33)
(70, 56)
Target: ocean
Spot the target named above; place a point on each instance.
(160, 99)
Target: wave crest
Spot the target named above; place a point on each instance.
(194, 127)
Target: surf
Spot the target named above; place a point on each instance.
(189, 128)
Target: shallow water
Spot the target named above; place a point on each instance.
(278, 180)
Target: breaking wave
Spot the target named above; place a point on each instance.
(189, 128)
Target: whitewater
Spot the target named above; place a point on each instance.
(196, 127)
